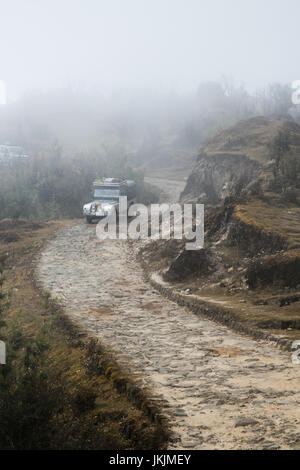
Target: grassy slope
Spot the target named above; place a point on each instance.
(273, 217)
(251, 137)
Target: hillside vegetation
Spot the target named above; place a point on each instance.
(51, 184)
(258, 154)
(252, 137)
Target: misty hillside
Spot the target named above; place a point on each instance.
(253, 153)
(151, 129)
(251, 137)
(249, 178)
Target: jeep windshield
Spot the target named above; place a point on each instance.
(107, 193)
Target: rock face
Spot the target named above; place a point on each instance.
(236, 159)
(219, 176)
(189, 262)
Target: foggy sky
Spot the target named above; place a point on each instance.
(158, 44)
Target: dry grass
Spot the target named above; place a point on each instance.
(273, 218)
(251, 137)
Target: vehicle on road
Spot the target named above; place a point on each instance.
(106, 193)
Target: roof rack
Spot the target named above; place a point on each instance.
(109, 181)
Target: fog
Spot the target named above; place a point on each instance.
(145, 79)
(146, 44)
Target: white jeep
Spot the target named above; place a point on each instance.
(106, 194)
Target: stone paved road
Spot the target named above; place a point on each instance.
(222, 390)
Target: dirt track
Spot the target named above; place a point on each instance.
(222, 390)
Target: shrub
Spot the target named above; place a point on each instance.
(51, 185)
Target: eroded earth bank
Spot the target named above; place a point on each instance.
(221, 390)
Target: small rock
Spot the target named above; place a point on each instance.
(240, 422)
(271, 446)
(180, 412)
(257, 440)
(189, 444)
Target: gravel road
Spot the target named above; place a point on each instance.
(222, 390)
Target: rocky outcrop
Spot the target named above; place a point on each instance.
(237, 160)
(219, 176)
(189, 263)
(280, 270)
(252, 240)
(224, 226)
